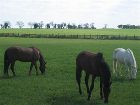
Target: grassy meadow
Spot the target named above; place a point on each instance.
(58, 86)
(128, 32)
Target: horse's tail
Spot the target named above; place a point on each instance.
(5, 62)
(114, 64)
(114, 53)
(114, 59)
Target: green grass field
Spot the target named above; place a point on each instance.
(129, 32)
(58, 86)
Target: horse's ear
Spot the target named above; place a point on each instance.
(99, 55)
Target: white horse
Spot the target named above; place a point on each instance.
(126, 57)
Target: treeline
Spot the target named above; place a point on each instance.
(39, 25)
(128, 26)
(63, 25)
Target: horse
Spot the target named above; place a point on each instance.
(95, 65)
(125, 57)
(30, 54)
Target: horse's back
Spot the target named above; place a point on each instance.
(18, 50)
(88, 61)
(119, 54)
(84, 57)
(20, 53)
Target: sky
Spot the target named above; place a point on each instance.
(99, 12)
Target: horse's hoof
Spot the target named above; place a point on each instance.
(88, 99)
(80, 92)
(105, 101)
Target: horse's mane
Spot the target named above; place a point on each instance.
(41, 59)
(130, 51)
(106, 73)
(104, 67)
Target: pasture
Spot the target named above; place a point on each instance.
(58, 86)
(123, 32)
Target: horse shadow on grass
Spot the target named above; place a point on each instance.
(75, 99)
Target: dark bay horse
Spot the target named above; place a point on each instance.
(30, 54)
(95, 65)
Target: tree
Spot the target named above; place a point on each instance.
(41, 24)
(105, 26)
(120, 26)
(47, 26)
(36, 25)
(80, 26)
(31, 24)
(1, 25)
(55, 26)
(51, 24)
(86, 25)
(20, 24)
(92, 26)
(6, 24)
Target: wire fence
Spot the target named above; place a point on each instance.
(95, 37)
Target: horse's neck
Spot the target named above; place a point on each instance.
(105, 74)
(41, 59)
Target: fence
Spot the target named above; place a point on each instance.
(95, 37)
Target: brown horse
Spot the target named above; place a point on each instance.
(31, 54)
(95, 65)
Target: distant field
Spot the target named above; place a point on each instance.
(58, 86)
(129, 32)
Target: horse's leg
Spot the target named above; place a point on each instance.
(101, 89)
(91, 87)
(12, 68)
(86, 81)
(117, 68)
(31, 66)
(78, 78)
(35, 64)
(128, 70)
(6, 67)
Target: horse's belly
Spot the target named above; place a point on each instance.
(24, 60)
(93, 72)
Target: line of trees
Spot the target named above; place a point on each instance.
(128, 26)
(63, 25)
(39, 25)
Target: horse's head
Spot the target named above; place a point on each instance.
(106, 90)
(42, 63)
(106, 76)
(43, 67)
(133, 65)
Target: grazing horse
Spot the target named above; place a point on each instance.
(95, 65)
(126, 57)
(30, 54)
